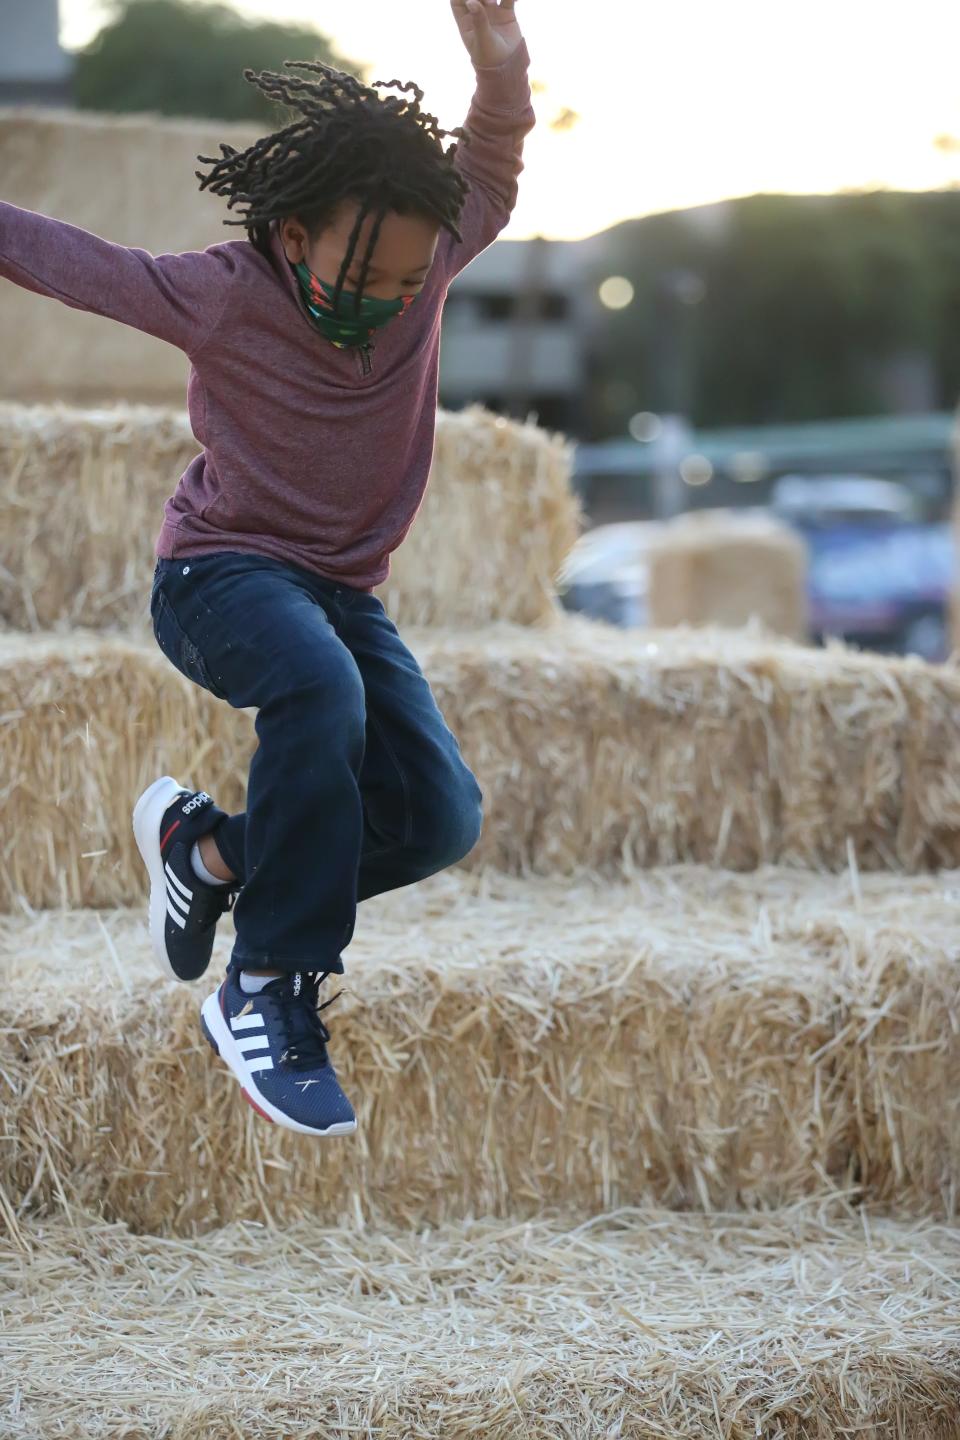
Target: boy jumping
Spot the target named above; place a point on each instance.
(313, 348)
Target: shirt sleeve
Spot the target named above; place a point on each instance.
(178, 297)
(501, 114)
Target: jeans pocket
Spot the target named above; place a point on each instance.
(178, 647)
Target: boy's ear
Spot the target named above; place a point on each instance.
(294, 238)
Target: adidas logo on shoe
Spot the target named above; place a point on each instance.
(202, 798)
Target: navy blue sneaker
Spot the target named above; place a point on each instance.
(167, 820)
(275, 1044)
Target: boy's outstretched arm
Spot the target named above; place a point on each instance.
(501, 114)
(178, 298)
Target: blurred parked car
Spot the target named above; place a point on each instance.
(823, 502)
(880, 576)
(606, 574)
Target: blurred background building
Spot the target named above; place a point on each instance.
(515, 332)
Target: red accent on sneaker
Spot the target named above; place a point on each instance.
(165, 838)
(250, 1101)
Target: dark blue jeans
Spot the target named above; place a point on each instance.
(357, 786)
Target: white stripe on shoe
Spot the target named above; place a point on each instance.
(179, 883)
(182, 905)
(252, 1042)
(260, 1062)
(175, 915)
(249, 1021)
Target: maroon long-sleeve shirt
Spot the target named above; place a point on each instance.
(311, 453)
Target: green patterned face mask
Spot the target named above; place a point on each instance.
(344, 326)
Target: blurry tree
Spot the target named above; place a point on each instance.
(799, 304)
(177, 57)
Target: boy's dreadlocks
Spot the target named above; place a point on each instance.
(350, 143)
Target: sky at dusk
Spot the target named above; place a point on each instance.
(677, 104)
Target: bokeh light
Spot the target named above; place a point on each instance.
(696, 470)
(616, 292)
(749, 466)
(645, 426)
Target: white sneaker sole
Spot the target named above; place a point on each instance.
(222, 1042)
(147, 815)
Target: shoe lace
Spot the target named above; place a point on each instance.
(304, 1033)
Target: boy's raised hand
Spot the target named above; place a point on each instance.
(489, 30)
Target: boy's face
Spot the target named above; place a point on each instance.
(399, 265)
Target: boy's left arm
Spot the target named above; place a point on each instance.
(501, 114)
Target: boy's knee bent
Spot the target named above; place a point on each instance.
(453, 824)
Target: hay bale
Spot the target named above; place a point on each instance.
(695, 1039)
(81, 720)
(104, 173)
(728, 567)
(498, 518)
(81, 504)
(801, 1326)
(595, 748)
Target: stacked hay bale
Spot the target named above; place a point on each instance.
(689, 1039)
(82, 495)
(554, 1030)
(665, 984)
(639, 1324)
(112, 175)
(728, 568)
(550, 1079)
(595, 749)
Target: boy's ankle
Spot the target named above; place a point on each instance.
(212, 859)
(253, 981)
